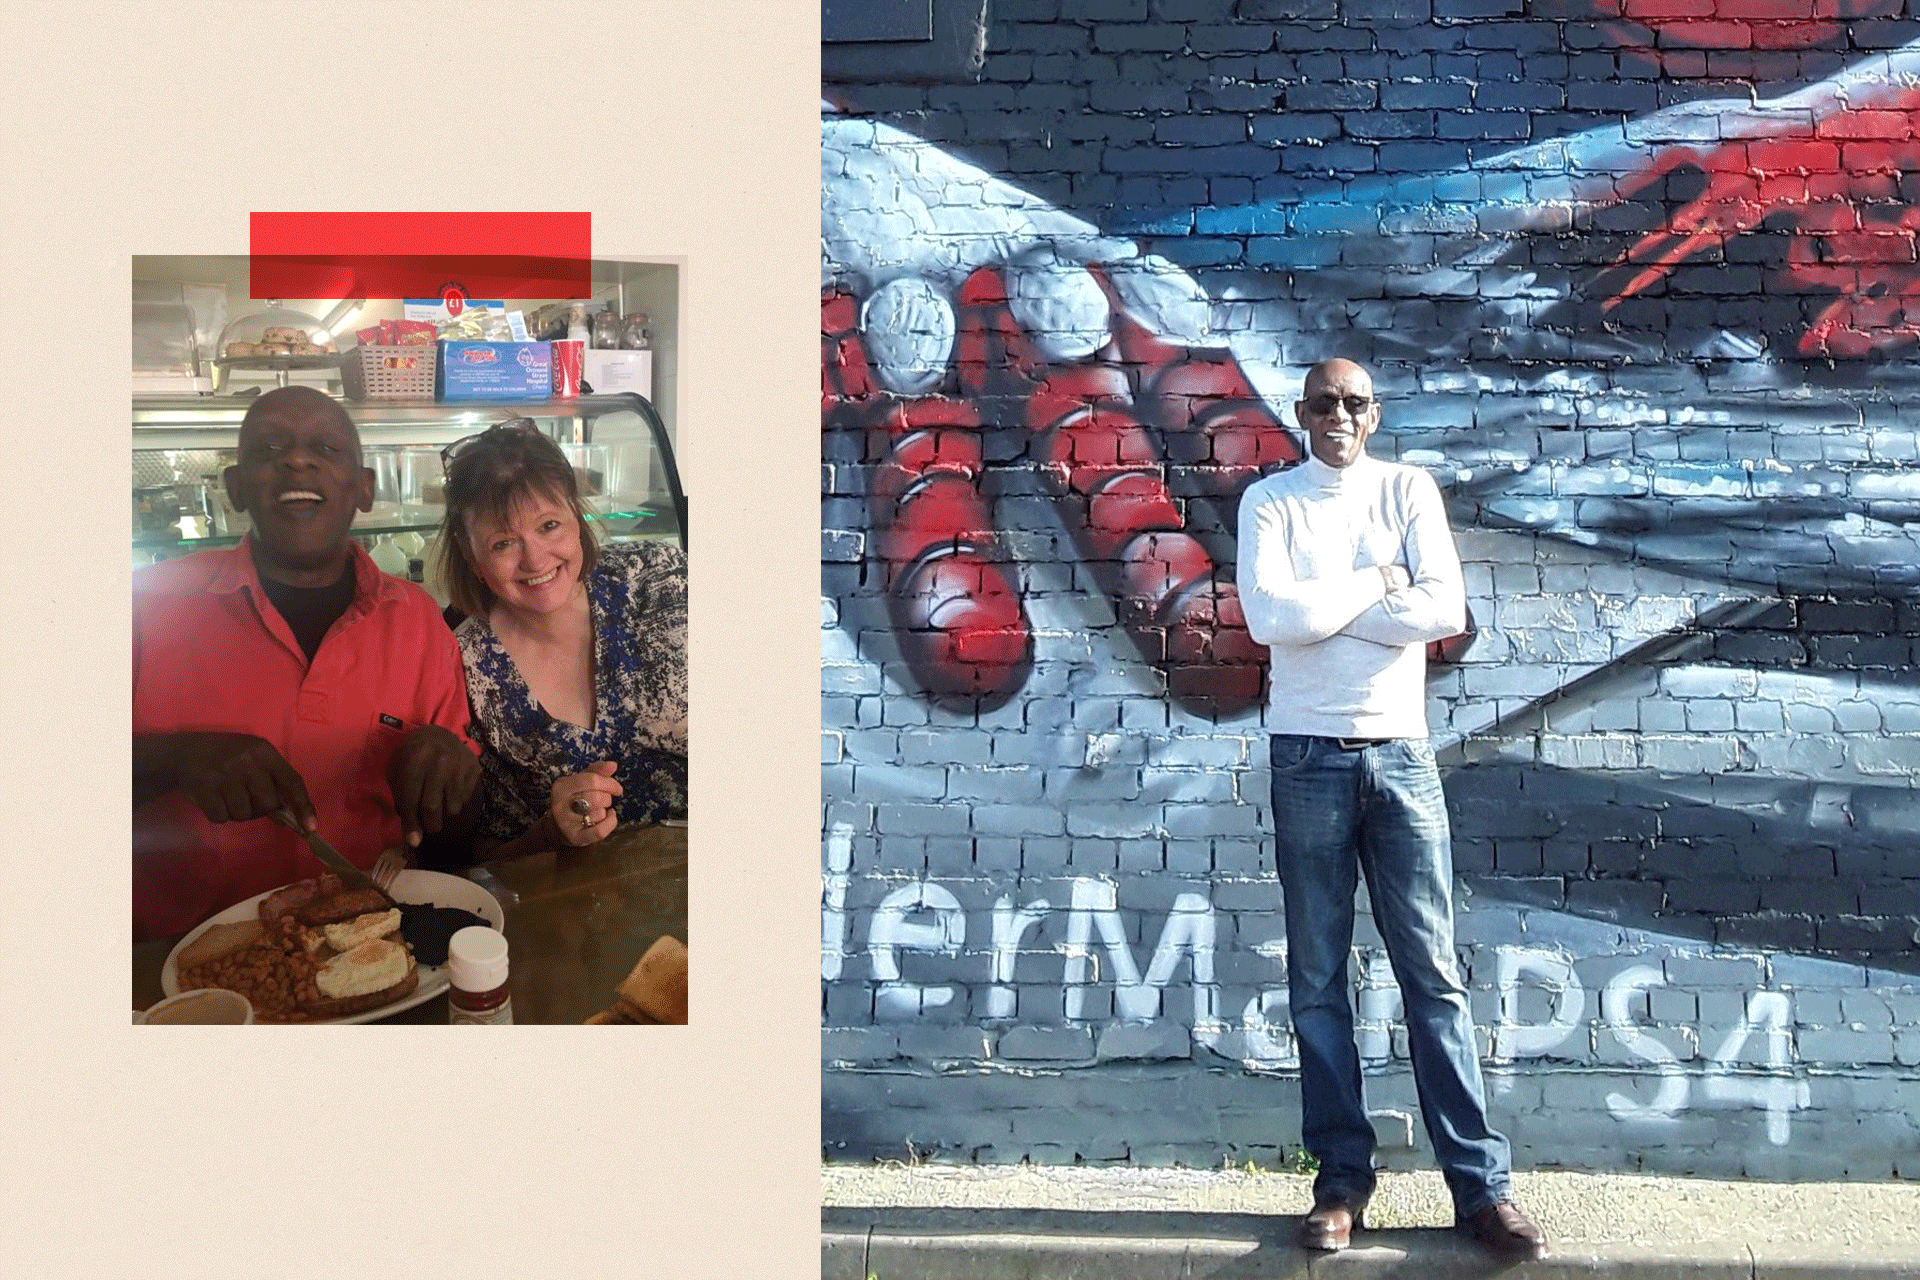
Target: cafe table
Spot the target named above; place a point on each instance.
(576, 923)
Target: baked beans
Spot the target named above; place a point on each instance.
(276, 975)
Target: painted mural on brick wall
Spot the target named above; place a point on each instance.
(1640, 284)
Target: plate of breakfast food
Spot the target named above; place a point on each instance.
(314, 951)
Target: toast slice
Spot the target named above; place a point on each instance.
(345, 1007)
(657, 986)
(219, 940)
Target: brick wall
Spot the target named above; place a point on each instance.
(1639, 291)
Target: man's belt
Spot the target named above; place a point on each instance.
(1357, 744)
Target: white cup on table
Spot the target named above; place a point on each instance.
(208, 1006)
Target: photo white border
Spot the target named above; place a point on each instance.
(156, 130)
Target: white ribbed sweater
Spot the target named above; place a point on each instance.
(1349, 658)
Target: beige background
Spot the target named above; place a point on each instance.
(684, 1151)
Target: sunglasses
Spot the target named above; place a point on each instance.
(512, 426)
(1322, 406)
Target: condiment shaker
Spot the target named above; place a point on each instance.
(477, 968)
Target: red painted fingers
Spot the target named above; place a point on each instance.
(1123, 408)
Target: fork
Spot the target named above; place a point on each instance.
(386, 867)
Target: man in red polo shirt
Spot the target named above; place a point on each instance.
(287, 672)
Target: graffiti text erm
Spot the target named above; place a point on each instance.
(1725, 1042)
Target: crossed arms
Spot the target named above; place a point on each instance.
(1389, 604)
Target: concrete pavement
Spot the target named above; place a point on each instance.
(900, 1221)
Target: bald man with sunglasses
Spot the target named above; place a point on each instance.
(1347, 571)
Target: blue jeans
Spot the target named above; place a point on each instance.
(1338, 811)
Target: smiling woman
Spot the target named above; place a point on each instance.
(575, 655)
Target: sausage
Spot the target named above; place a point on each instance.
(343, 906)
(288, 900)
(284, 902)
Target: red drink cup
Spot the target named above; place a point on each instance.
(569, 364)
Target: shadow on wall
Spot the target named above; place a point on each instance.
(1805, 838)
(1788, 866)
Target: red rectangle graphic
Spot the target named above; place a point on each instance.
(419, 254)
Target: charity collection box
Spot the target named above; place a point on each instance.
(495, 371)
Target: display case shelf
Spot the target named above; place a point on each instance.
(168, 426)
(179, 442)
(199, 422)
(638, 522)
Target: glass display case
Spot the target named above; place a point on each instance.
(277, 340)
(618, 445)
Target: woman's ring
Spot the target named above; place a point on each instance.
(580, 804)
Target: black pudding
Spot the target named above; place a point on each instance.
(428, 929)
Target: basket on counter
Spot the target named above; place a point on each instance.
(383, 373)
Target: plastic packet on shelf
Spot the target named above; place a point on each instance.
(469, 326)
(412, 333)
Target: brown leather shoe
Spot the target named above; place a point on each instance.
(1331, 1225)
(1506, 1231)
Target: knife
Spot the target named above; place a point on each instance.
(349, 874)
